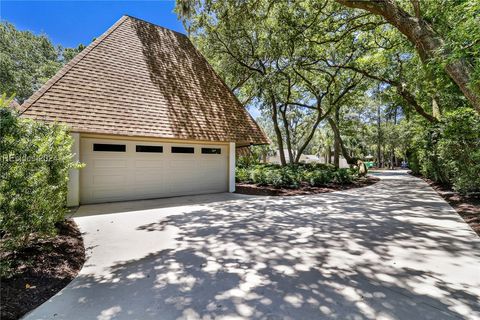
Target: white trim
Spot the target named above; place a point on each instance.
(231, 167)
(73, 195)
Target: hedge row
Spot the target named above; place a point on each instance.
(293, 176)
(35, 159)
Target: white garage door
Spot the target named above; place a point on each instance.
(118, 170)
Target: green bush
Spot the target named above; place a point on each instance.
(246, 161)
(343, 176)
(318, 178)
(458, 149)
(242, 175)
(275, 178)
(292, 176)
(258, 175)
(426, 147)
(449, 152)
(35, 159)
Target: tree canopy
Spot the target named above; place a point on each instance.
(27, 60)
(345, 77)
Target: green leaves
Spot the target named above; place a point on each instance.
(293, 176)
(296, 60)
(27, 61)
(278, 56)
(35, 159)
(449, 152)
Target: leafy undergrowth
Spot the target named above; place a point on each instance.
(303, 189)
(297, 176)
(40, 270)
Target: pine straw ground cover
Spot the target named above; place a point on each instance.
(40, 270)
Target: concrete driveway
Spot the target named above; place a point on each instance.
(394, 250)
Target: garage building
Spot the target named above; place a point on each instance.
(149, 116)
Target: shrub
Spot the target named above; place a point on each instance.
(343, 176)
(246, 161)
(34, 162)
(319, 166)
(258, 175)
(458, 149)
(275, 178)
(448, 152)
(242, 175)
(292, 176)
(319, 177)
(426, 145)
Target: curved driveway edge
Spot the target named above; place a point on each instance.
(393, 250)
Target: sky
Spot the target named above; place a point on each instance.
(70, 23)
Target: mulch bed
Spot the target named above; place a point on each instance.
(42, 269)
(253, 189)
(468, 207)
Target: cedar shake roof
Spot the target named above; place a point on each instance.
(139, 79)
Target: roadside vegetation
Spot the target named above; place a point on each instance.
(34, 157)
(396, 82)
(388, 80)
(40, 250)
(293, 176)
(35, 161)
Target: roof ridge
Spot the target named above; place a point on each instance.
(156, 25)
(66, 68)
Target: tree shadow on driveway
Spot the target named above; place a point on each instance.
(394, 250)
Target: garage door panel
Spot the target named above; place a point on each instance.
(183, 186)
(108, 194)
(149, 178)
(180, 164)
(153, 163)
(107, 179)
(109, 163)
(183, 190)
(130, 175)
(209, 171)
(210, 166)
(149, 191)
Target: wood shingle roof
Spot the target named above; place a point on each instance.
(139, 79)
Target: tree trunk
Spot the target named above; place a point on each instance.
(283, 112)
(427, 43)
(413, 102)
(310, 136)
(379, 156)
(379, 137)
(336, 152)
(278, 132)
(392, 158)
(341, 147)
(436, 111)
(336, 136)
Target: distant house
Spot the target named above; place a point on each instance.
(149, 116)
(305, 158)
